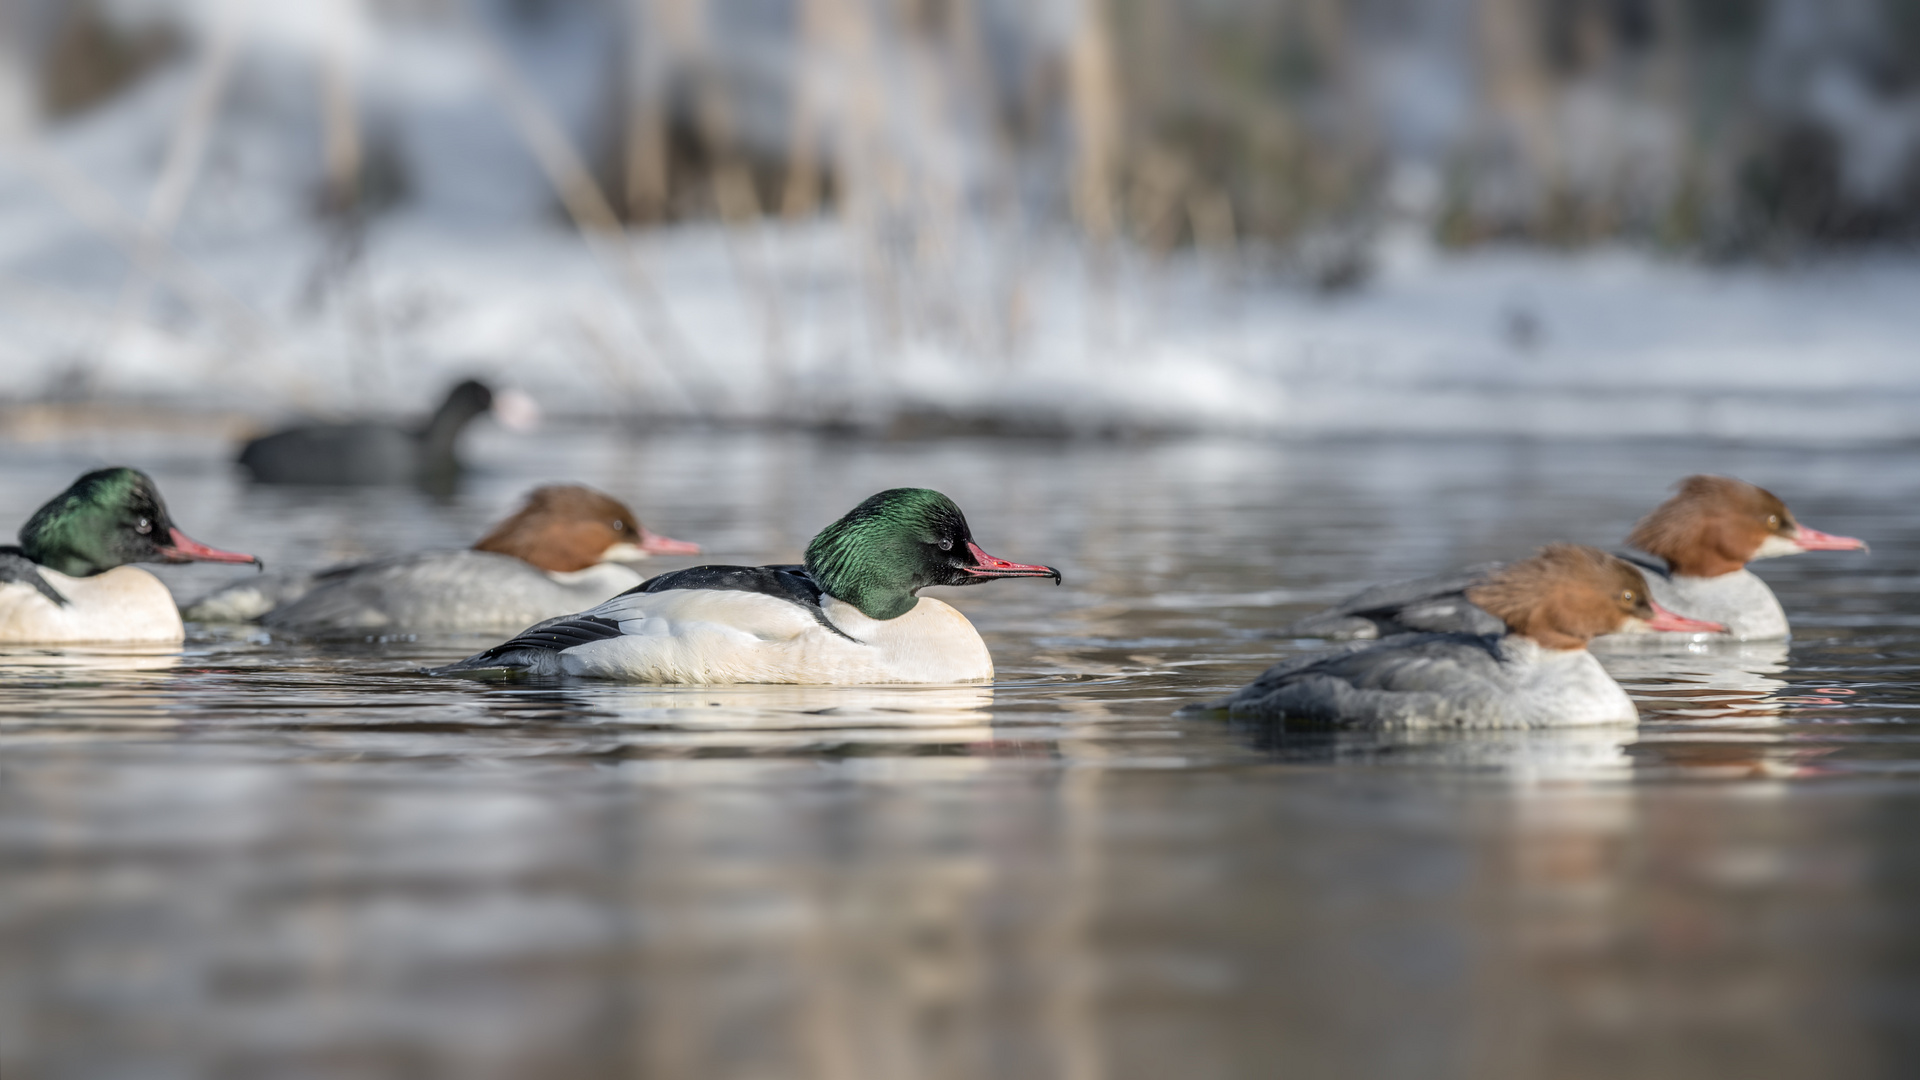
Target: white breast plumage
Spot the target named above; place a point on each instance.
(123, 604)
(1739, 600)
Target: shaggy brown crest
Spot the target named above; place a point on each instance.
(563, 527)
(1713, 525)
(1565, 595)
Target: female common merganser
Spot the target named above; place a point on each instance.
(68, 580)
(377, 452)
(1536, 673)
(1693, 548)
(848, 615)
(561, 552)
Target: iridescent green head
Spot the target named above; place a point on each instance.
(108, 518)
(898, 542)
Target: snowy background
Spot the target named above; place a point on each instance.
(1660, 217)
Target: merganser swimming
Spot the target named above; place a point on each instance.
(1535, 673)
(68, 581)
(382, 452)
(848, 615)
(563, 551)
(1693, 549)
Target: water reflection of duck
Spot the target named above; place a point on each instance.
(783, 716)
(1712, 680)
(68, 580)
(1527, 754)
(1537, 673)
(381, 452)
(564, 550)
(848, 615)
(1693, 548)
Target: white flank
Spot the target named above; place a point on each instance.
(723, 636)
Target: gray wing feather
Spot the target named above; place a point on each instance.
(15, 567)
(1435, 604)
(431, 592)
(1415, 680)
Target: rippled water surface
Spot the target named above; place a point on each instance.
(256, 857)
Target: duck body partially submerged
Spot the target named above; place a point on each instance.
(69, 582)
(1535, 672)
(442, 592)
(1693, 551)
(358, 452)
(749, 624)
(849, 615)
(566, 549)
(1440, 680)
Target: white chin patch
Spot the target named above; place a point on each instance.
(1775, 546)
(623, 552)
(516, 410)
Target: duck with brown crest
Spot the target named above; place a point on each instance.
(1534, 673)
(69, 580)
(851, 614)
(1694, 550)
(567, 548)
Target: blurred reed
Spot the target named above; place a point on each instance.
(949, 142)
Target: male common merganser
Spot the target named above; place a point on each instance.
(561, 552)
(1693, 549)
(68, 580)
(381, 452)
(1535, 673)
(848, 615)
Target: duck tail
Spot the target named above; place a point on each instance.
(536, 650)
(505, 660)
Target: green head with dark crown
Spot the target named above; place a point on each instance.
(898, 542)
(108, 518)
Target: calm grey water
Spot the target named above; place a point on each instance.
(268, 858)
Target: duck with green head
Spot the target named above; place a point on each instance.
(69, 580)
(850, 614)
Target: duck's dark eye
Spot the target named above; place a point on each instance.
(1773, 521)
(1627, 596)
(619, 526)
(946, 545)
(143, 526)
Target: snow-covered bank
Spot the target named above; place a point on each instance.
(863, 319)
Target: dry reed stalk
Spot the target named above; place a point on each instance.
(1516, 87)
(186, 152)
(741, 213)
(342, 152)
(859, 164)
(646, 162)
(1095, 103)
(800, 193)
(1210, 216)
(1327, 27)
(712, 111)
(1161, 179)
(594, 217)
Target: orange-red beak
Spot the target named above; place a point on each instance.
(654, 544)
(1667, 620)
(1815, 540)
(185, 548)
(991, 566)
